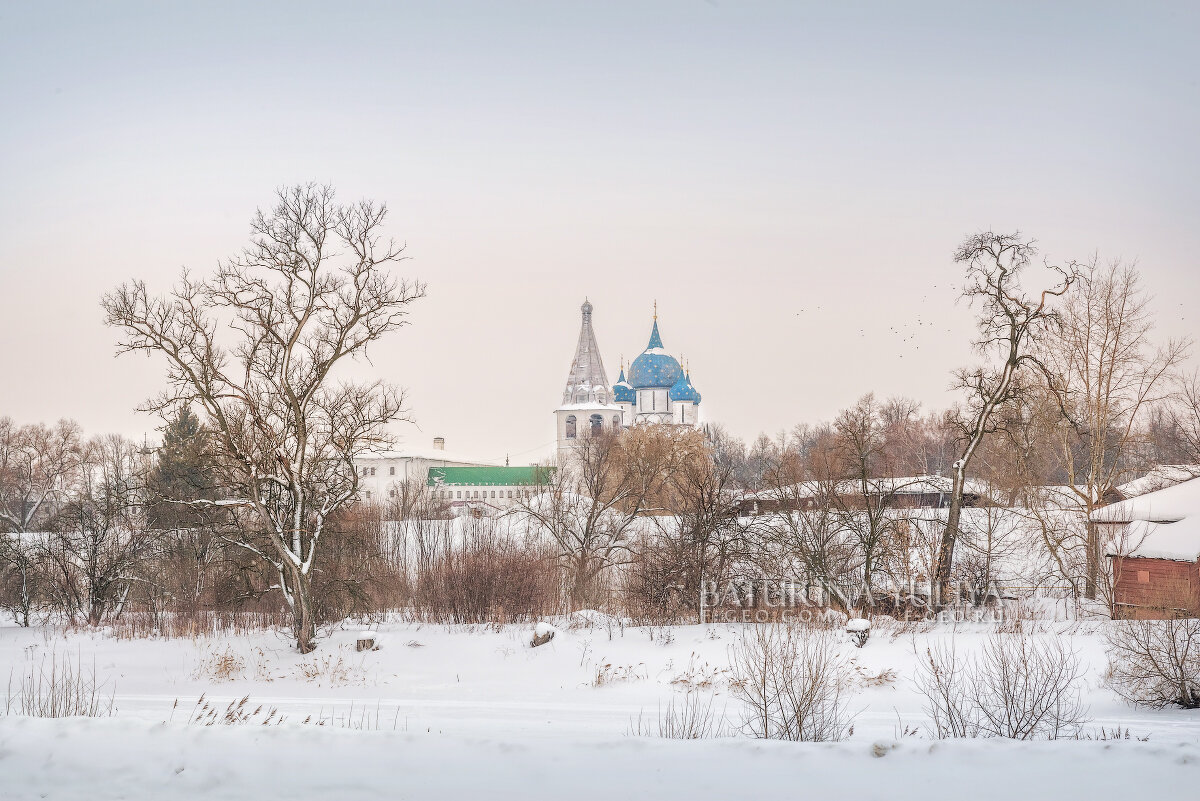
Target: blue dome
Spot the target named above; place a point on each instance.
(654, 368)
(682, 390)
(622, 392)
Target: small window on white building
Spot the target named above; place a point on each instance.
(392, 470)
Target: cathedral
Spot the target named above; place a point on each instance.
(657, 391)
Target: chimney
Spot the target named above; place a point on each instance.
(439, 443)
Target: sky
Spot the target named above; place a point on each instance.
(787, 180)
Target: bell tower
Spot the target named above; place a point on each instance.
(587, 403)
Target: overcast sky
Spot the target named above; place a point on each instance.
(787, 180)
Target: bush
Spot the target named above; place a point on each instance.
(793, 682)
(1017, 687)
(687, 717)
(487, 578)
(1155, 663)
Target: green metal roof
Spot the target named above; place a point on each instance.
(490, 476)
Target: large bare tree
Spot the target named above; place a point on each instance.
(257, 347)
(1010, 323)
(1109, 373)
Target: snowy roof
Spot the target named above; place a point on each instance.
(1161, 477)
(1161, 506)
(904, 485)
(1178, 541)
(427, 454)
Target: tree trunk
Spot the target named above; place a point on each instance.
(945, 562)
(1093, 561)
(26, 602)
(579, 585)
(303, 623)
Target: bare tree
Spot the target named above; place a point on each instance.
(591, 509)
(36, 464)
(1185, 416)
(257, 348)
(1010, 324)
(868, 490)
(702, 537)
(100, 545)
(807, 544)
(1108, 373)
(991, 537)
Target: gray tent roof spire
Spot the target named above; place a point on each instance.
(587, 381)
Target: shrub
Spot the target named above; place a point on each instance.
(793, 683)
(1155, 663)
(488, 578)
(1017, 687)
(686, 717)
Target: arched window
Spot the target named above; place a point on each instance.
(616, 423)
(597, 423)
(571, 426)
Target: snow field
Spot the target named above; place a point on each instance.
(455, 711)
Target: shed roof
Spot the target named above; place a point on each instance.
(1161, 506)
(1178, 541)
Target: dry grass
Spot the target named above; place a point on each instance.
(609, 674)
(687, 717)
(242, 712)
(236, 713)
(332, 670)
(865, 678)
(699, 675)
(220, 665)
(142, 626)
(58, 687)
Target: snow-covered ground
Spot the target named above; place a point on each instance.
(457, 711)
